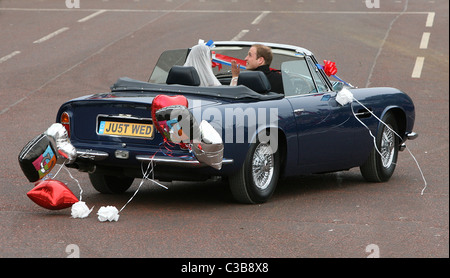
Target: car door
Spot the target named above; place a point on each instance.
(324, 136)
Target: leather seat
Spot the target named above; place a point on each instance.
(183, 76)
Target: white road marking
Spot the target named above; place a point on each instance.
(9, 56)
(79, 63)
(425, 40)
(260, 17)
(51, 35)
(430, 19)
(417, 71)
(223, 11)
(84, 19)
(240, 35)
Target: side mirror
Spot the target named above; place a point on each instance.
(338, 86)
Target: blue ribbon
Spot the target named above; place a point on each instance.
(335, 76)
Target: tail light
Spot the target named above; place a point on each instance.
(65, 121)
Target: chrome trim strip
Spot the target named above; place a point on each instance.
(176, 161)
(92, 154)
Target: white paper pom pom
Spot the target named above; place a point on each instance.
(344, 96)
(109, 213)
(80, 210)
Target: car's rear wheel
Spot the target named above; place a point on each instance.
(110, 184)
(255, 182)
(380, 168)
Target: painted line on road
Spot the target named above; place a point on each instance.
(51, 35)
(417, 71)
(3, 111)
(430, 19)
(221, 11)
(84, 19)
(424, 41)
(240, 35)
(9, 56)
(258, 19)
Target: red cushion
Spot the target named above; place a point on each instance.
(52, 194)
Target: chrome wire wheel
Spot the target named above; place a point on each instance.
(387, 147)
(380, 164)
(256, 180)
(262, 166)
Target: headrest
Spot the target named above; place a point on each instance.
(183, 76)
(255, 80)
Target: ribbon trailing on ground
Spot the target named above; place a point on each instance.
(111, 213)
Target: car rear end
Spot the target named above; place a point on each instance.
(115, 135)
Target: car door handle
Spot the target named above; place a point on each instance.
(363, 113)
(299, 111)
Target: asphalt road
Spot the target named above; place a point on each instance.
(50, 53)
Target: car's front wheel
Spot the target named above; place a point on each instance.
(379, 168)
(255, 182)
(110, 184)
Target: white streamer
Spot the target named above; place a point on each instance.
(78, 209)
(417, 163)
(110, 213)
(78, 183)
(145, 176)
(370, 132)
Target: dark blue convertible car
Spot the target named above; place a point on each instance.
(266, 136)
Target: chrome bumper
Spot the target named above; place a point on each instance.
(412, 136)
(177, 161)
(409, 136)
(92, 154)
(188, 162)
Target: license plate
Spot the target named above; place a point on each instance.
(126, 129)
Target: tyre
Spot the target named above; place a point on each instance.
(380, 168)
(110, 184)
(255, 182)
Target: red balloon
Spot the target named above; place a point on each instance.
(161, 101)
(329, 67)
(52, 194)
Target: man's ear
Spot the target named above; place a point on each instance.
(261, 61)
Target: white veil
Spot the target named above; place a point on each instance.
(200, 59)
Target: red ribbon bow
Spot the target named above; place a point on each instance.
(329, 67)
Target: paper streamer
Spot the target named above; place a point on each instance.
(226, 60)
(347, 97)
(111, 213)
(79, 209)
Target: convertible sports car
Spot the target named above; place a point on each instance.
(265, 135)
